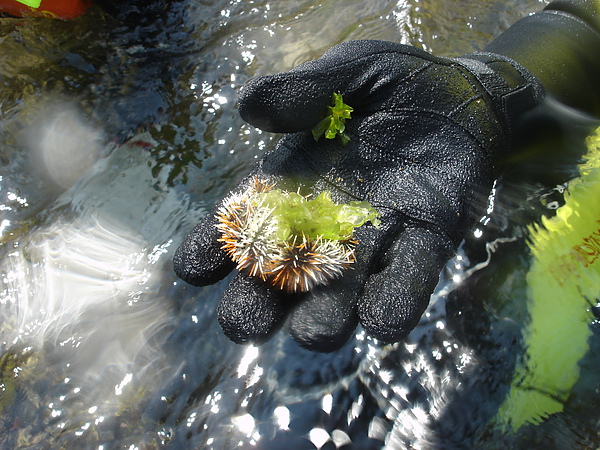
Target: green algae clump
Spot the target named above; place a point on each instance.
(320, 217)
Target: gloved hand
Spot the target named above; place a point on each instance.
(427, 136)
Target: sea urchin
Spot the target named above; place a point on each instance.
(287, 240)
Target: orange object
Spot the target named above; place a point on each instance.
(56, 9)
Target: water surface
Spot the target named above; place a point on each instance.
(118, 132)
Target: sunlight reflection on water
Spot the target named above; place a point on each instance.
(83, 291)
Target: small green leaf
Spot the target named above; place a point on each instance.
(335, 122)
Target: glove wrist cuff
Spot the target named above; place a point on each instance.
(513, 89)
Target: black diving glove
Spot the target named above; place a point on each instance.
(427, 137)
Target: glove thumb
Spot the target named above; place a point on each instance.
(284, 102)
(297, 100)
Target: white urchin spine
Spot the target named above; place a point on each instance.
(247, 232)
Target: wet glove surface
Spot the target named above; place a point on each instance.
(427, 136)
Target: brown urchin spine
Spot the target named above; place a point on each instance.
(302, 266)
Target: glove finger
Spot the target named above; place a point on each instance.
(200, 260)
(395, 298)
(326, 317)
(297, 100)
(250, 311)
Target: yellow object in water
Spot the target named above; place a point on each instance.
(563, 281)
(8, 389)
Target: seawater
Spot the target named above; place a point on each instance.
(118, 132)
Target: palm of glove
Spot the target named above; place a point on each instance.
(426, 136)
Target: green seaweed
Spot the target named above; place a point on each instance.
(335, 122)
(320, 217)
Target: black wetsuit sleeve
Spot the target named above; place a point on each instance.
(560, 45)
